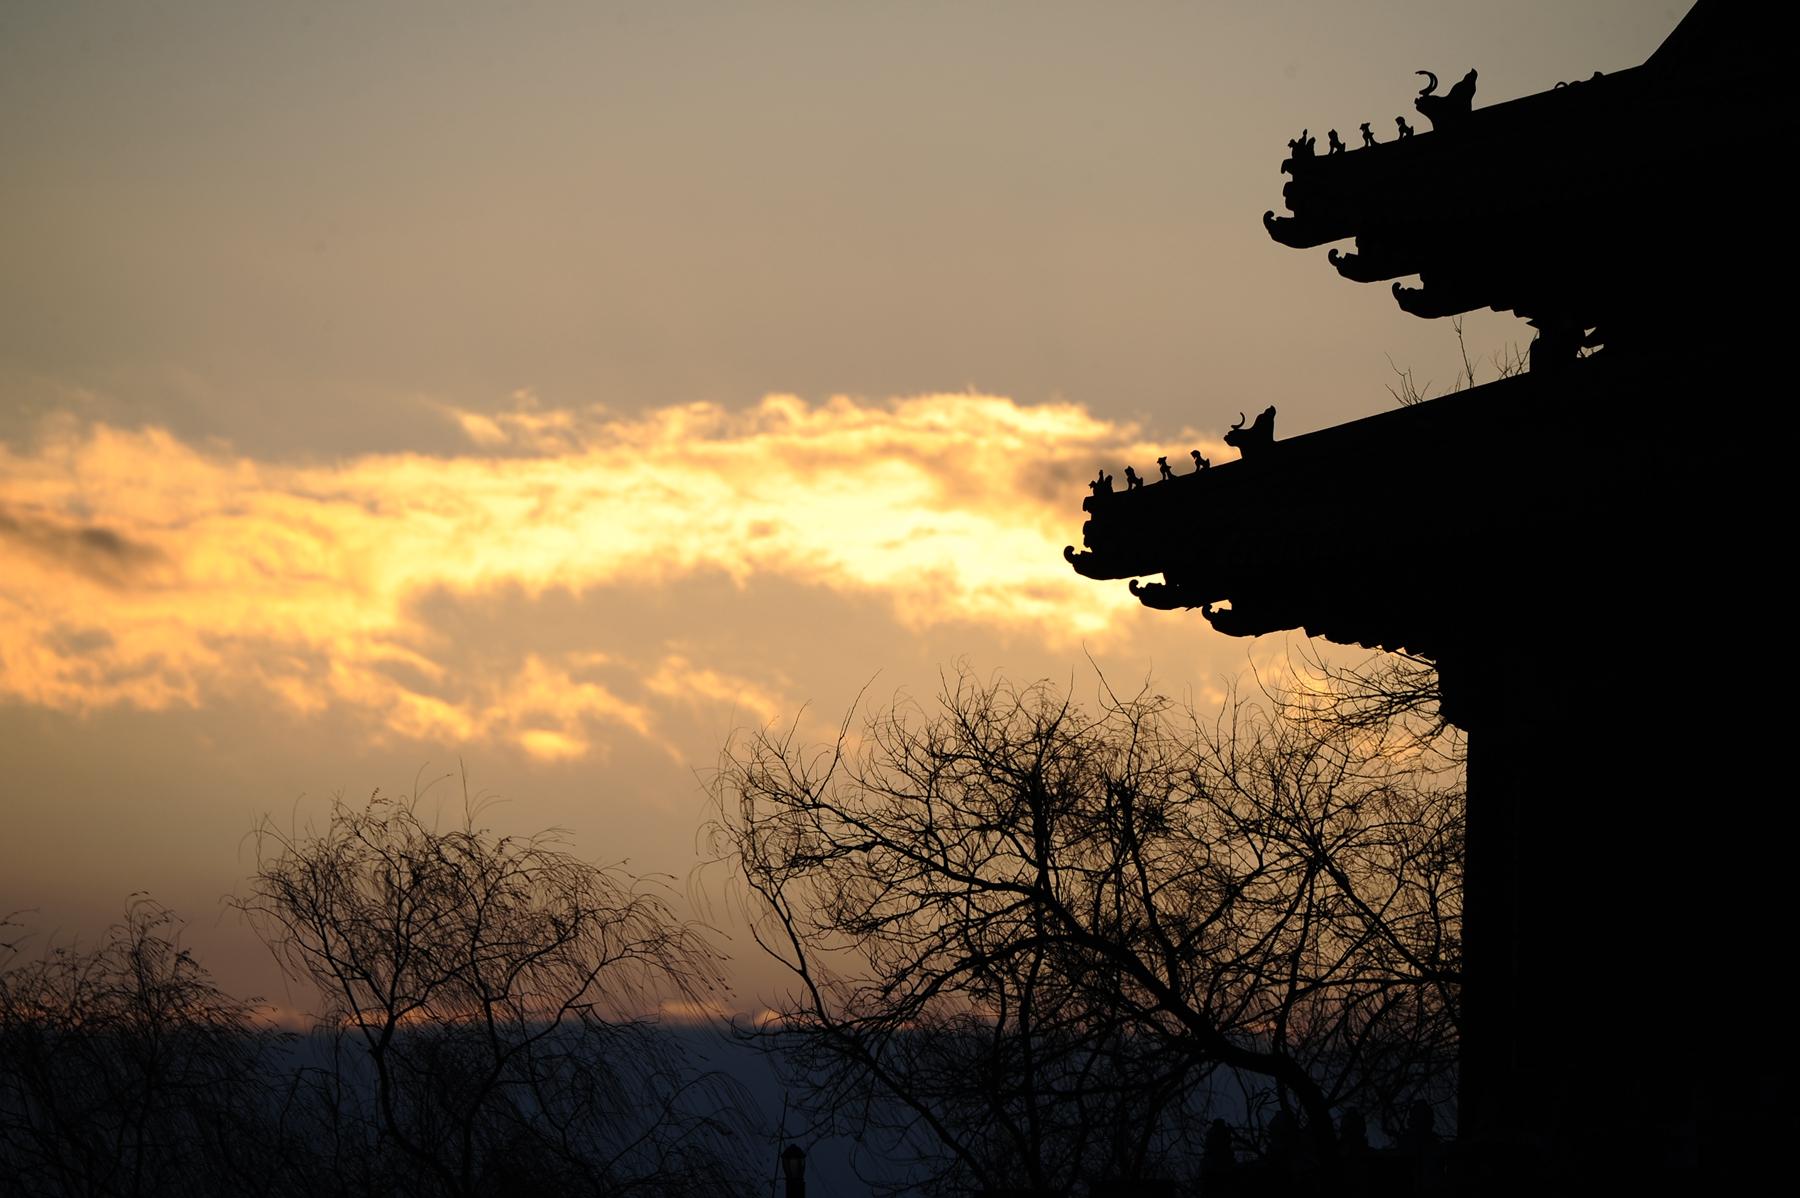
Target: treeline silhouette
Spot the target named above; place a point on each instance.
(481, 1032)
(1034, 948)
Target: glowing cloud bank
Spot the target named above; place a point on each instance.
(144, 571)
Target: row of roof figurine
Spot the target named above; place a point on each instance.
(1103, 485)
(1447, 109)
(1247, 441)
(1302, 146)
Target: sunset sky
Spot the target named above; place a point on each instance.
(557, 388)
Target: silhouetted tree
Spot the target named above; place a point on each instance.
(1395, 696)
(495, 993)
(124, 1070)
(1506, 362)
(1026, 938)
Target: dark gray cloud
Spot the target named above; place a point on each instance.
(95, 551)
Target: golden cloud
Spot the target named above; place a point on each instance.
(137, 569)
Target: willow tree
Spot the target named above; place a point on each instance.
(502, 993)
(125, 1069)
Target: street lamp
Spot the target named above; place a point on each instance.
(793, 1167)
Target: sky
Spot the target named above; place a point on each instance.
(549, 392)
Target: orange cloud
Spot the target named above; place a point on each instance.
(137, 569)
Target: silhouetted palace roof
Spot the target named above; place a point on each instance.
(1608, 212)
(1546, 541)
(1303, 534)
(1593, 205)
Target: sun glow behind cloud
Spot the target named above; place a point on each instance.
(144, 571)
